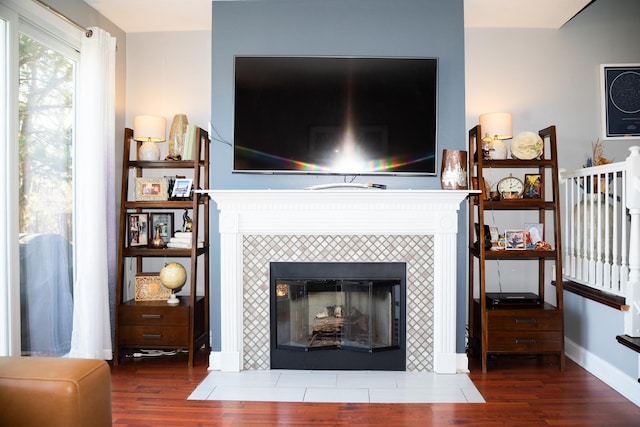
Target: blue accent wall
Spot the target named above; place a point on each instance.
(431, 28)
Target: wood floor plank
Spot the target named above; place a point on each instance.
(519, 391)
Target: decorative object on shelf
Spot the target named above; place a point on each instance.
(534, 234)
(149, 288)
(149, 130)
(484, 187)
(177, 136)
(496, 128)
(453, 174)
(510, 187)
(173, 276)
(157, 241)
(527, 146)
(151, 189)
(532, 186)
(138, 229)
(187, 223)
(182, 188)
(596, 159)
(487, 237)
(165, 221)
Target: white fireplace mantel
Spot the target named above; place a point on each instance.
(338, 212)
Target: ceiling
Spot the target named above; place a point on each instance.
(135, 16)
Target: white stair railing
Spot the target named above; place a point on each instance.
(601, 231)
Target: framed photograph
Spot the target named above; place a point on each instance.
(514, 239)
(620, 86)
(137, 229)
(532, 186)
(535, 234)
(165, 221)
(182, 188)
(151, 189)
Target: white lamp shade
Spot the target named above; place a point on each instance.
(149, 128)
(496, 125)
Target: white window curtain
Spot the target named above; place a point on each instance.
(94, 166)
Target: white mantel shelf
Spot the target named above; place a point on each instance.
(339, 212)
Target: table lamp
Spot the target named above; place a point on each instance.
(496, 127)
(149, 129)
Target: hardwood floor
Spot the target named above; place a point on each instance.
(519, 391)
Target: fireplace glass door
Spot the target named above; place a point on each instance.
(359, 315)
(322, 319)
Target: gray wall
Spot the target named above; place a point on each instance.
(335, 27)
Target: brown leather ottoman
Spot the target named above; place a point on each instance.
(51, 391)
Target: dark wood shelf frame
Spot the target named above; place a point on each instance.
(511, 330)
(156, 324)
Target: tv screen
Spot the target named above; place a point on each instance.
(335, 115)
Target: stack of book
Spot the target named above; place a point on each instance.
(189, 149)
(182, 240)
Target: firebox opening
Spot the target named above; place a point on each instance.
(338, 316)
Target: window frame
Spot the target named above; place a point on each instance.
(34, 21)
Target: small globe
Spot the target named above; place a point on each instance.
(173, 275)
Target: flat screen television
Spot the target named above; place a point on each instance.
(335, 115)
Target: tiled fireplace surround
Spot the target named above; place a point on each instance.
(417, 227)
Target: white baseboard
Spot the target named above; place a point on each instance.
(607, 373)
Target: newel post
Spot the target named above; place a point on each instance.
(632, 318)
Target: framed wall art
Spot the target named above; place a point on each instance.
(151, 189)
(138, 229)
(620, 92)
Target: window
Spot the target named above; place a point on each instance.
(45, 151)
(39, 62)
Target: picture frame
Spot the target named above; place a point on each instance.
(165, 221)
(182, 188)
(515, 240)
(532, 186)
(137, 229)
(619, 110)
(534, 234)
(151, 189)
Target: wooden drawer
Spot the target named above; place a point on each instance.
(153, 315)
(153, 336)
(525, 342)
(524, 320)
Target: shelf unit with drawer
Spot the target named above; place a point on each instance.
(157, 325)
(515, 329)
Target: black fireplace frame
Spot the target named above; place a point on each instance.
(391, 359)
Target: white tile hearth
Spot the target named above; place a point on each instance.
(338, 387)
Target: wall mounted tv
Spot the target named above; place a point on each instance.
(335, 115)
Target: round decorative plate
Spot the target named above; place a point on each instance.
(526, 146)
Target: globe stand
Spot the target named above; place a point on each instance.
(173, 299)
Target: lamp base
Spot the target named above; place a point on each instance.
(149, 151)
(497, 150)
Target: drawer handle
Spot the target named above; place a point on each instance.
(152, 336)
(530, 321)
(528, 341)
(151, 316)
